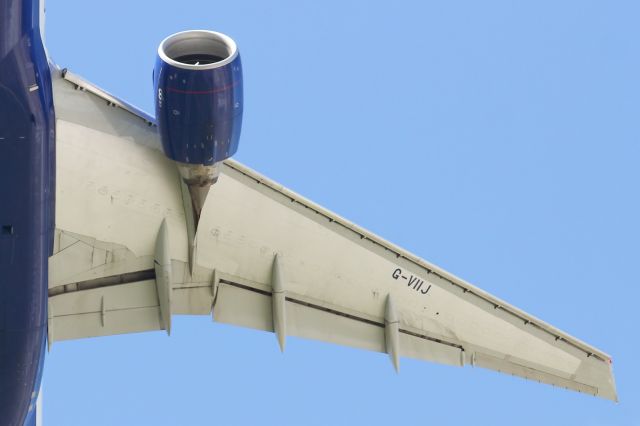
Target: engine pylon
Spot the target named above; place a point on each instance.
(199, 103)
(197, 180)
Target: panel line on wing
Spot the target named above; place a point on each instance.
(113, 280)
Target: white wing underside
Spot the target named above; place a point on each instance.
(114, 189)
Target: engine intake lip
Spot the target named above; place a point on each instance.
(198, 50)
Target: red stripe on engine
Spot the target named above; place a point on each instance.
(201, 92)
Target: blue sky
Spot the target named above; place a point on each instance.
(497, 139)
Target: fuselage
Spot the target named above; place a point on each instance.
(27, 189)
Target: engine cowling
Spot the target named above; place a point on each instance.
(198, 98)
(198, 94)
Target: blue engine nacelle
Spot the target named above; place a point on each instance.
(198, 97)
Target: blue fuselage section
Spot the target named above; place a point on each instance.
(27, 188)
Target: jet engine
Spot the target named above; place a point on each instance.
(198, 100)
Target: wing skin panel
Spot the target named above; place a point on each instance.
(80, 259)
(115, 188)
(322, 265)
(116, 191)
(323, 260)
(384, 248)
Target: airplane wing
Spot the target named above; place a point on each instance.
(264, 258)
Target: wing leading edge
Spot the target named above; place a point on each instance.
(265, 258)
